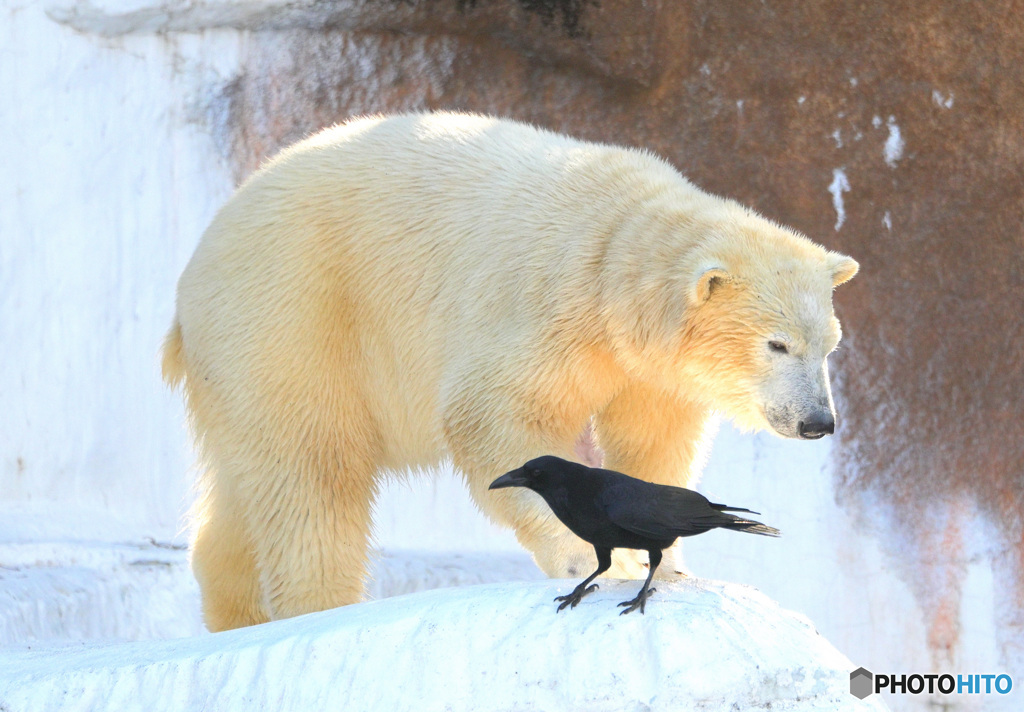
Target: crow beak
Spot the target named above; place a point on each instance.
(515, 478)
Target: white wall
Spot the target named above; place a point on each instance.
(108, 179)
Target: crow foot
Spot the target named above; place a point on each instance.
(637, 602)
(576, 596)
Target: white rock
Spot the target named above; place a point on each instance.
(701, 645)
(81, 592)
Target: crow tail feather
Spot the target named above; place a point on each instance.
(726, 508)
(751, 527)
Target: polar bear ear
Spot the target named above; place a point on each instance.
(843, 268)
(706, 283)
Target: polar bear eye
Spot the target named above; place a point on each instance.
(778, 347)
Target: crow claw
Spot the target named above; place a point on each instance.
(576, 596)
(638, 602)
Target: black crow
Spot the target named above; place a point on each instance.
(614, 511)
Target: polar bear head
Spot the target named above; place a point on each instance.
(729, 310)
(760, 327)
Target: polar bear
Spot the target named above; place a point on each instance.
(396, 291)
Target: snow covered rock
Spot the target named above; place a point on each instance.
(60, 591)
(56, 592)
(701, 645)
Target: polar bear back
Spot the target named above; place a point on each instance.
(353, 252)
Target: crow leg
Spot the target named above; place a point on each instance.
(604, 562)
(646, 590)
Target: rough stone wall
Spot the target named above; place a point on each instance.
(893, 131)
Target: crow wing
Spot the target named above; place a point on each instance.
(658, 511)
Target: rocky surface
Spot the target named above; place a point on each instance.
(701, 645)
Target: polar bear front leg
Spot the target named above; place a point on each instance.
(557, 551)
(500, 444)
(655, 436)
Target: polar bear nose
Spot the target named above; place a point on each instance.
(816, 426)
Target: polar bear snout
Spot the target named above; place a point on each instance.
(817, 426)
(804, 419)
(792, 421)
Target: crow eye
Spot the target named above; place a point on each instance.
(778, 347)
